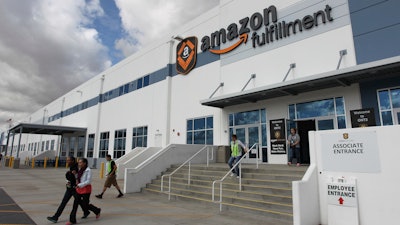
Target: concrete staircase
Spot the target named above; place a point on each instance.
(266, 190)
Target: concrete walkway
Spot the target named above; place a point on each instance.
(38, 193)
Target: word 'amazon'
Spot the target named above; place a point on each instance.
(273, 29)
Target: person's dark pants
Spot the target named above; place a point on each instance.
(69, 192)
(295, 153)
(232, 161)
(83, 200)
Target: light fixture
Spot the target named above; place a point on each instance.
(341, 53)
(177, 37)
(291, 66)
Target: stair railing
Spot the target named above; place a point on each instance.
(239, 164)
(186, 162)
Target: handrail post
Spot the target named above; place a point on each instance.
(220, 196)
(207, 155)
(240, 176)
(189, 174)
(169, 189)
(257, 154)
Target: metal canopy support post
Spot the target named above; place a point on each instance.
(341, 53)
(251, 77)
(219, 86)
(291, 66)
(8, 139)
(19, 141)
(12, 144)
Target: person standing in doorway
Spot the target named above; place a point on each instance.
(294, 142)
(70, 189)
(236, 154)
(111, 169)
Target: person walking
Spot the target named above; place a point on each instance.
(111, 169)
(294, 142)
(70, 189)
(236, 154)
(83, 189)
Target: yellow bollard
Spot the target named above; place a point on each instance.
(56, 166)
(11, 163)
(102, 170)
(45, 163)
(33, 163)
(66, 164)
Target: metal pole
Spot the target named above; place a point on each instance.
(19, 141)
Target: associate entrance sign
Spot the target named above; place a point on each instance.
(350, 151)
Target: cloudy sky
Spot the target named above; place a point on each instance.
(48, 47)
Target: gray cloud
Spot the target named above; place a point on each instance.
(46, 49)
(145, 21)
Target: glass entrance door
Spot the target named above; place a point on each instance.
(396, 113)
(249, 135)
(325, 123)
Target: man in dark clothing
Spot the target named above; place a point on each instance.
(111, 169)
(70, 190)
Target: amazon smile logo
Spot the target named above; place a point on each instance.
(273, 30)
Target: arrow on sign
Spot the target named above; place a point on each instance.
(341, 200)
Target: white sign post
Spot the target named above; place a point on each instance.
(342, 202)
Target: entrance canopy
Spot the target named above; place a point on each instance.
(387, 68)
(31, 128)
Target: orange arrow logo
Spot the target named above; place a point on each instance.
(243, 39)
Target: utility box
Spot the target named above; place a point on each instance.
(7, 162)
(16, 163)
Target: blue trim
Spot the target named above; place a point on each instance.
(203, 58)
(376, 29)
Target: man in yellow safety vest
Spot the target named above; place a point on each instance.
(111, 169)
(236, 154)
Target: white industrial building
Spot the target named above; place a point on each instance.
(310, 64)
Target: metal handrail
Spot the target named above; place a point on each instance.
(238, 163)
(187, 161)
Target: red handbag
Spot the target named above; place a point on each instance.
(84, 190)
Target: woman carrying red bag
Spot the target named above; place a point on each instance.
(83, 191)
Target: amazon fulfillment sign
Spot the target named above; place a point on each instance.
(262, 28)
(350, 151)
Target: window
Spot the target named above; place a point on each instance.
(119, 143)
(43, 145)
(72, 141)
(389, 104)
(81, 146)
(64, 146)
(200, 130)
(52, 145)
(104, 141)
(327, 107)
(90, 145)
(47, 145)
(139, 137)
(255, 117)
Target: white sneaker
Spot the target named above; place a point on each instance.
(237, 176)
(232, 174)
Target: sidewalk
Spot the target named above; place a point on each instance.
(39, 191)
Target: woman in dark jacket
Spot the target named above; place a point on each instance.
(83, 181)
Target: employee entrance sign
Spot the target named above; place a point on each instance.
(342, 194)
(342, 202)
